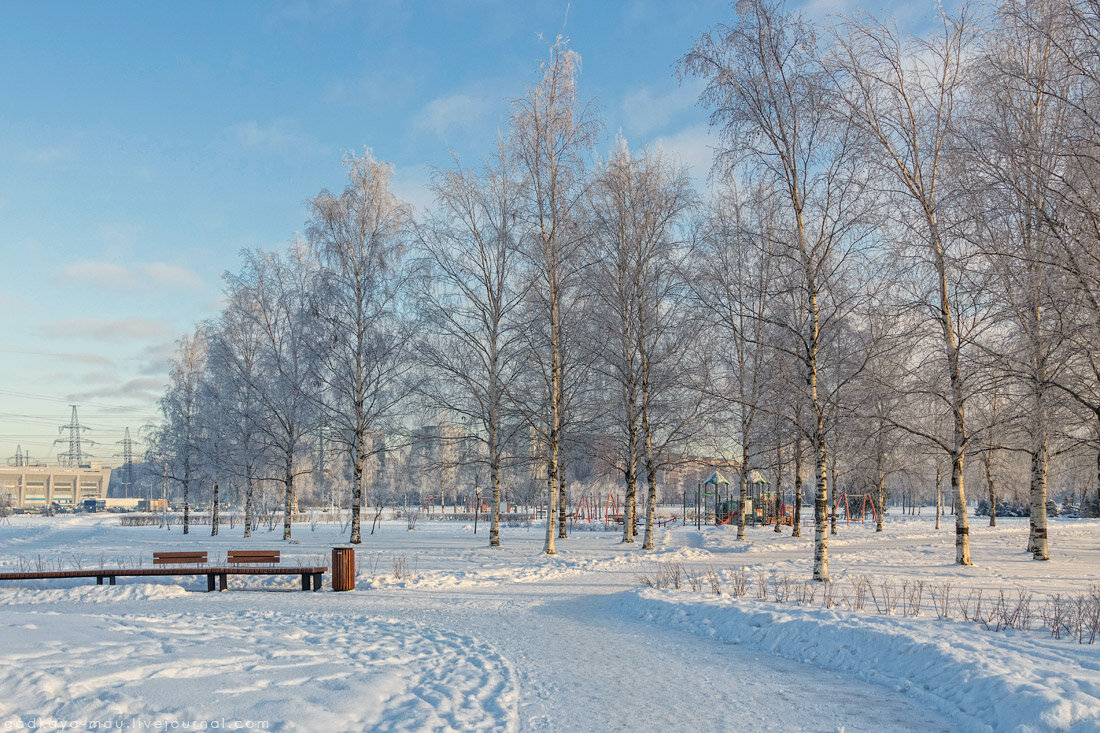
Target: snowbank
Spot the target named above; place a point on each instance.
(982, 680)
(90, 594)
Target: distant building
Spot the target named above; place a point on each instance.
(37, 487)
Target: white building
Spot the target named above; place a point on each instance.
(37, 487)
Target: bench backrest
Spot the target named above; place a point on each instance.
(253, 556)
(179, 558)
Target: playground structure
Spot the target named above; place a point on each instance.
(864, 501)
(715, 503)
(595, 509)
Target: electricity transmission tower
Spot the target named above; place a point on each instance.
(75, 455)
(20, 458)
(127, 464)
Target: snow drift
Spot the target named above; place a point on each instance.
(981, 679)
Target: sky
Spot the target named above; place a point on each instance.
(143, 146)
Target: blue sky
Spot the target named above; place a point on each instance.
(143, 145)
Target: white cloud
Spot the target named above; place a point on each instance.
(694, 147)
(412, 188)
(10, 302)
(141, 388)
(453, 112)
(141, 277)
(393, 88)
(646, 110)
(46, 155)
(167, 274)
(128, 329)
(279, 136)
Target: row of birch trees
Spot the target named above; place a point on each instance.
(897, 255)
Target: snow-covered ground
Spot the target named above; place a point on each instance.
(474, 638)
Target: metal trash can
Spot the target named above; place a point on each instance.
(343, 568)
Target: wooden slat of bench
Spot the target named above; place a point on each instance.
(311, 575)
(180, 558)
(253, 556)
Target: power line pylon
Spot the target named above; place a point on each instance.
(75, 455)
(18, 460)
(127, 464)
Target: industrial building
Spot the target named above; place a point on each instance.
(38, 487)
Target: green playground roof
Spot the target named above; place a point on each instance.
(716, 479)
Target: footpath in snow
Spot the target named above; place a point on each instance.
(473, 638)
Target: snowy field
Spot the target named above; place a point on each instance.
(473, 638)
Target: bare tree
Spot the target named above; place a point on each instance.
(363, 331)
(551, 135)
(234, 354)
(772, 99)
(179, 436)
(902, 92)
(732, 284)
(638, 203)
(277, 286)
(471, 297)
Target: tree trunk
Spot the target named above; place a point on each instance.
(833, 499)
(551, 503)
(214, 513)
(796, 521)
(881, 490)
(356, 499)
(651, 495)
(186, 500)
(991, 488)
(288, 497)
(743, 493)
(561, 505)
(939, 480)
(958, 398)
(778, 486)
(555, 394)
(249, 491)
(962, 531)
(650, 464)
(494, 472)
(821, 506)
(631, 491)
(1037, 540)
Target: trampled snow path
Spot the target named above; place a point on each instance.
(479, 638)
(299, 669)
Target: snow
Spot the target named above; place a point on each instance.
(479, 638)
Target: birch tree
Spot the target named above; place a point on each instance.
(551, 136)
(277, 286)
(361, 318)
(637, 203)
(181, 433)
(772, 100)
(902, 92)
(471, 298)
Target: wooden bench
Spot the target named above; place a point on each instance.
(179, 558)
(243, 557)
(311, 576)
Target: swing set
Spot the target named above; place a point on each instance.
(865, 502)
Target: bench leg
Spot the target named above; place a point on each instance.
(305, 581)
(223, 581)
(316, 582)
(99, 580)
(209, 582)
(112, 578)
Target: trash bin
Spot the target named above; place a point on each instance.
(343, 568)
